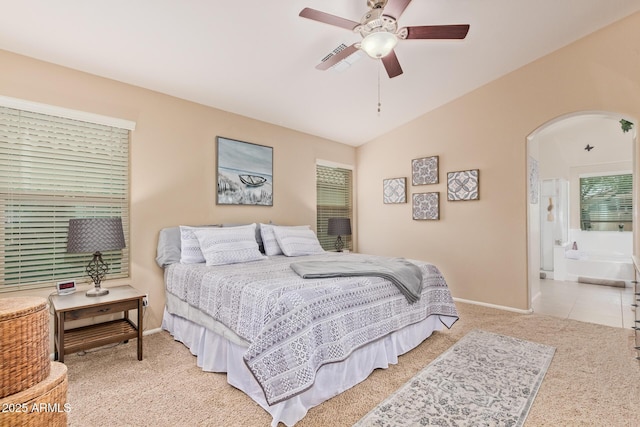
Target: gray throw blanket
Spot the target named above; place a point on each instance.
(405, 275)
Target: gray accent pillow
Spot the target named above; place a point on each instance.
(168, 251)
(170, 247)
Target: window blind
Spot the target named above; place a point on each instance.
(334, 199)
(53, 169)
(606, 202)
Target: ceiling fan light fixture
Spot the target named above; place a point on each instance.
(379, 44)
(380, 33)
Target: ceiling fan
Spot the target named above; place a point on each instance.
(380, 33)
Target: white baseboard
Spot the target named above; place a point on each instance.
(499, 307)
(151, 331)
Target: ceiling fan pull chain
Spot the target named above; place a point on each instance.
(379, 103)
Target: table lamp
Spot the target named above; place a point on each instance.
(339, 227)
(95, 235)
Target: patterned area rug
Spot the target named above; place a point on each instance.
(484, 379)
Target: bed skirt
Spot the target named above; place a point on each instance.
(217, 354)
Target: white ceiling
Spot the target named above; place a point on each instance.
(258, 59)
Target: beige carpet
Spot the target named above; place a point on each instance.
(593, 380)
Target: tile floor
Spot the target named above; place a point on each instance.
(605, 305)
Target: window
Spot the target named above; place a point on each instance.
(53, 169)
(606, 203)
(334, 199)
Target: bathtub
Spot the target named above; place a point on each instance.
(570, 265)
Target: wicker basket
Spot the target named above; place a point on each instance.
(24, 340)
(44, 404)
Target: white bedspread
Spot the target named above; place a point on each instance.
(294, 325)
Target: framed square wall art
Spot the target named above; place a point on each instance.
(426, 206)
(463, 185)
(424, 170)
(394, 190)
(245, 173)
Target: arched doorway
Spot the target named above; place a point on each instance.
(554, 177)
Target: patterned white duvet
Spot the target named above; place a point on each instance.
(294, 325)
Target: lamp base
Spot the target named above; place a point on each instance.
(97, 292)
(97, 269)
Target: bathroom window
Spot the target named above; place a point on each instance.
(606, 203)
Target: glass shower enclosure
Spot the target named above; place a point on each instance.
(554, 220)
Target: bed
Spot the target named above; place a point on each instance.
(289, 343)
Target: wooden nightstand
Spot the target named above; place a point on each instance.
(78, 306)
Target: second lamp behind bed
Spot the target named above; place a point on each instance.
(339, 227)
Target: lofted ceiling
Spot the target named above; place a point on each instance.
(258, 59)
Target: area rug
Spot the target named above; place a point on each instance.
(483, 379)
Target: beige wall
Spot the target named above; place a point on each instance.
(481, 246)
(173, 160)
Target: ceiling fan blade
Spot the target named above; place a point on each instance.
(333, 60)
(392, 65)
(438, 32)
(316, 15)
(394, 8)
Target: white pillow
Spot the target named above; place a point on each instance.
(229, 245)
(269, 241)
(190, 252)
(258, 235)
(297, 241)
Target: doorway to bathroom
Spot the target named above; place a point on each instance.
(572, 245)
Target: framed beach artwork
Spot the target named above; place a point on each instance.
(424, 170)
(426, 206)
(245, 173)
(394, 190)
(463, 185)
